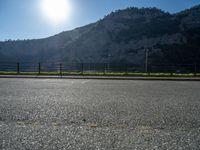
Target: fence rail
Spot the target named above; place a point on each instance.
(59, 67)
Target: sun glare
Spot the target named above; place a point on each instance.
(56, 11)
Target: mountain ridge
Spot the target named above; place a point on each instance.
(121, 36)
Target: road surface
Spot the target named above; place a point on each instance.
(99, 114)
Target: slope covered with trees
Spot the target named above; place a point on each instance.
(121, 36)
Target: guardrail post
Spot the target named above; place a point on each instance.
(18, 68)
(126, 67)
(148, 70)
(82, 68)
(171, 70)
(39, 68)
(195, 69)
(146, 60)
(104, 68)
(61, 69)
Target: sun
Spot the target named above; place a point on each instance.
(56, 11)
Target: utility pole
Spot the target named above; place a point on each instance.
(146, 60)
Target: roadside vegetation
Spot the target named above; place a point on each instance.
(106, 74)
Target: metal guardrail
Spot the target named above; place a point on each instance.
(97, 67)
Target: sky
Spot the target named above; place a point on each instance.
(29, 19)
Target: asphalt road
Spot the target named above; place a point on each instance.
(99, 114)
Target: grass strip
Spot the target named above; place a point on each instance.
(131, 74)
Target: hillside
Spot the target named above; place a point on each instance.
(121, 37)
